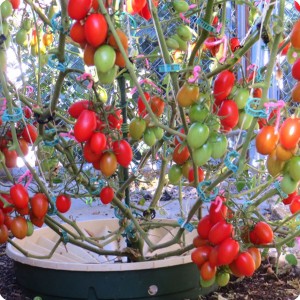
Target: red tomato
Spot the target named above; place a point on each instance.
(295, 205)
(39, 205)
(213, 256)
(234, 44)
(27, 112)
(98, 142)
(141, 106)
(63, 203)
(207, 271)
(23, 211)
(289, 198)
(297, 4)
(15, 3)
(78, 107)
(77, 33)
(10, 158)
(198, 241)
(36, 221)
(204, 226)
(216, 215)
(85, 125)
(289, 132)
(107, 195)
(145, 12)
(89, 155)
(2, 217)
(245, 264)
(200, 175)
(256, 255)
(229, 114)
(181, 154)
(262, 234)
(7, 209)
(134, 6)
(266, 140)
(30, 134)
(285, 49)
(223, 85)
(123, 152)
(219, 232)
(178, 139)
(95, 29)
(157, 105)
(19, 227)
(212, 49)
(24, 146)
(108, 164)
(7, 220)
(200, 255)
(3, 234)
(295, 69)
(19, 195)
(78, 9)
(295, 35)
(228, 251)
(115, 119)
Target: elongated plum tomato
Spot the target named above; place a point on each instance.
(19, 227)
(123, 152)
(141, 106)
(98, 142)
(19, 195)
(245, 264)
(30, 133)
(107, 195)
(95, 29)
(78, 107)
(78, 9)
(77, 33)
(262, 234)
(228, 250)
(219, 232)
(295, 35)
(85, 125)
(266, 140)
(63, 203)
(229, 115)
(204, 227)
(289, 133)
(39, 205)
(223, 85)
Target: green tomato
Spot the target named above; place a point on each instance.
(219, 144)
(180, 6)
(103, 95)
(175, 174)
(223, 279)
(184, 32)
(198, 113)
(149, 137)
(26, 24)
(137, 128)
(6, 9)
(172, 43)
(241, 97)
(202, 154)
(197, 135)
(109, 76)
(290, 55)
(207, 283)
(104, 58)
(30, 228)
(159, 132)
(183, 46)
(288, 185)
(245, 120)
(214, 123)
(22, 38)
(294, 168)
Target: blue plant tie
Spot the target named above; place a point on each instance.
(205, 25)
(101, 184)
(169, 151)
(129, 230)
(132, 21)
(118, 213)
(256, 113)
(167, 138)
(188, 226)
(277, 186)
(229, 163)
(202, 194)
(55, 24)
(65, 237)
(53, 211)
(259, 77)
(55, 64)
(15, 117)
(167, 68)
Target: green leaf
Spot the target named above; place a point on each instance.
(291, 243)
(142, 201)
(240, 185)
(291, 259)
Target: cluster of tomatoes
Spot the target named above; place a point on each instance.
(90, 30)
(28, 210)
(100, 149)
(180, 40)
(293, 200)
(281, 148)
(141, 127)
(217, 251)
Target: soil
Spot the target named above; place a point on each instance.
(264, 285)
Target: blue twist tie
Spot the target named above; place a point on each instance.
(167, 138)
(259, 77)
(169, 151)
(56, 64)
(15, 117)
(260, 113)
(65, 237)
(129, 230)
(54, 24)
(202, 194)
(167, 68)
(205, 25)
(132, 21)
(101, 184)
(280, 191)
(118, 213)
(229, 164)
(188, 226)
(53, 211)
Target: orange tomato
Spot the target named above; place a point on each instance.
(296, 90)
(187, 95)
(295, 35)
(266, 140)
